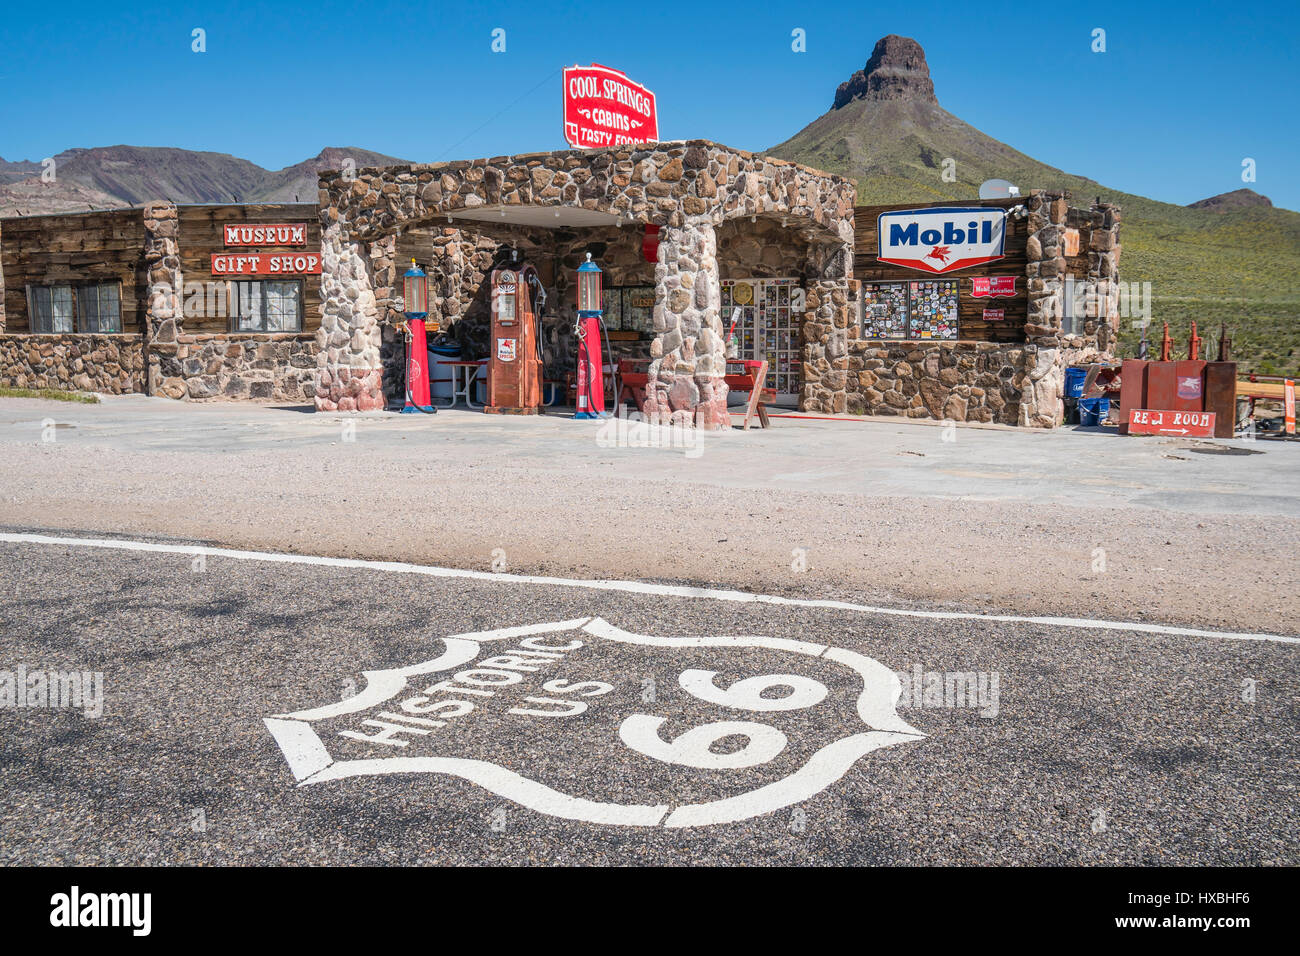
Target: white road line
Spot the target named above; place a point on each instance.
(634, 587)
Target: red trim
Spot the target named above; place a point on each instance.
(951, 267)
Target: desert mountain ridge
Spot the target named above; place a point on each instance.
(105, 177)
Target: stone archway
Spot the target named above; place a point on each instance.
(685, 188)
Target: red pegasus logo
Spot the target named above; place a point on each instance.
(941, 253)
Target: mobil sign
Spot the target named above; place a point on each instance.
(942, 240)
(602, 107)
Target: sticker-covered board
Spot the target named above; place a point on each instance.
(884, 310)
(933, 309)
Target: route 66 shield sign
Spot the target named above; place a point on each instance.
(584, 721)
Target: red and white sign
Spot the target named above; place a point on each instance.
(264, 234)
(602, 107)
(1143, 421)
(997, 287)
(265, 264)
(994, 315)
(939, 240)
(1288, 396)
(507, 349)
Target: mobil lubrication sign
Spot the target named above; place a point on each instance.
(941, 240)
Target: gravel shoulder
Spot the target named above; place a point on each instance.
(997, 520)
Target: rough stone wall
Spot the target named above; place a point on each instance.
(684, 186)
(274, 367)
(960, 381)
(87, 363)
(688, 356)
(763, 249)
(827, 332)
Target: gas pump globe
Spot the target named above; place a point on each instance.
(591, 379)
(415, 292)
(589, 287)
(415, 289)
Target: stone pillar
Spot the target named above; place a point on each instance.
(1103, 275)
(688, 355)
(826, 330)
(163, 315)
(349, 373)
(1043, 376)
(826, 326)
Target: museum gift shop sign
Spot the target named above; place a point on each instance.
(265, 264)
(264, 234)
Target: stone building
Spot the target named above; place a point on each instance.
(138, 300)
(692, 237)
(695, 203)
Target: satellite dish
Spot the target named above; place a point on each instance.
(998, 189)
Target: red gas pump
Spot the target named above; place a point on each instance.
(591, 377)
(415, 291)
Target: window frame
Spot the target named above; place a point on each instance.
(74, 318)
(234, 307)
(100, 288)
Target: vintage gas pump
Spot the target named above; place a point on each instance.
(514, 360)
(591, 378)
(415, 291)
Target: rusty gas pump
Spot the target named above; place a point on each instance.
(514, 381)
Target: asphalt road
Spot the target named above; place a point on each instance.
(235, 710)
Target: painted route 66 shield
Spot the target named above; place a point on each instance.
(584, 721)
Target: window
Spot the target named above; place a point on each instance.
(258, 306)
(49, 308)
(628, 308)
(61, 309)
(99, 308)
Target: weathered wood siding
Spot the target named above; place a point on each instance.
(74, 249)
(201, 237)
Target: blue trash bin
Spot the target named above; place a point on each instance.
(1093, 411)
(1074, 379)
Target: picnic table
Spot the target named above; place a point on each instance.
(635, 381)
(464, 376)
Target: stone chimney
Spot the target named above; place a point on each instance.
(896, 71)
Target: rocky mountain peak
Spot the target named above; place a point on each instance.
(896, 71)
(1233, 200)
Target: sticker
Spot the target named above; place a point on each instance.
(584, 721)
(506, 350)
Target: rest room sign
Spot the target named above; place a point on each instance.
(941, 240)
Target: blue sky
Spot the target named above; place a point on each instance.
(1181, 96)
